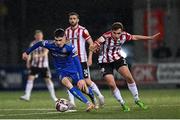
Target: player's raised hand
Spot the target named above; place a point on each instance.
(24, 56)
(155, 36)
(93, 47)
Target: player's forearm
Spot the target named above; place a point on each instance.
(141, 37)
(29, 50)
(90, 55)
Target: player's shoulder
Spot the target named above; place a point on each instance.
(49, 42)
(69, 44)
(69, 47)
(124, 33)
(82, 27)
(68, 28)
(107, 34)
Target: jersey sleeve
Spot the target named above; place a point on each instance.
(128, 36)
(38, 44)
(101, 39)
(86, 34)
(45, 43)
(30, 49)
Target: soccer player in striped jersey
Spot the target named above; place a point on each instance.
(65, 57)
(38, 64)
(78, 36)
(110, 58)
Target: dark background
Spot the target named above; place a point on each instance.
(22, 17)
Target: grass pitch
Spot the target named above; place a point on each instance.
(162, 103)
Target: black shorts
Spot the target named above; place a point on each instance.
(43, 72)
(107, 68)
(85, 69)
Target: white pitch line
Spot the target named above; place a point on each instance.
(150, 106)
(40, 109)
(37, 113)
(48, 109)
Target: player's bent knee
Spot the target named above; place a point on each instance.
(81, 85)
(88, 81)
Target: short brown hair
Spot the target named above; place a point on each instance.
(73, 13)
(117, 25)
(59, 32)
(38, 31)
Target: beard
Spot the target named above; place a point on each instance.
(73, 24)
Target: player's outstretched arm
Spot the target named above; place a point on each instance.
(141, 37)
(25, 55)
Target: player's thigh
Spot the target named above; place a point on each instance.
(31, 77)
(45, 72)
(125, 72)
(107, 70)
(76, 80)
(33, 72)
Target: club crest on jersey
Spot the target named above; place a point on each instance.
(124, 37)
(77, 34)
(64, 50)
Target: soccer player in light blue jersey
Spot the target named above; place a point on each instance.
(65, 57)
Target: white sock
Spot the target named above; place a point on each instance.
(117, 95)
(71, 97)
(50, 87)
(29, 86)
(133, 88)
(96, 89)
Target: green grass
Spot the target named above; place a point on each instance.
(163, 103)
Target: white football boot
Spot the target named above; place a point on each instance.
(25, 97)
(101, 101)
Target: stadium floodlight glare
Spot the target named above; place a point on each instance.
(123, 53)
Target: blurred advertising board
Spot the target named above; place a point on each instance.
(10, 78)
(144, 73)
(16, 78)
(168, 73)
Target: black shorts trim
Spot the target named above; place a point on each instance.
(43, 72)
(85, 70)
(107, 68)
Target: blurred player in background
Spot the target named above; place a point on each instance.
(38, 64)
(110, 58)
(78, 36)
(64, 57)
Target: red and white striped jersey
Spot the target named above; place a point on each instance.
(78, 38)
(39, 57)
(110, 47)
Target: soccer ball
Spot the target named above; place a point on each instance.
(62, 105)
